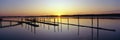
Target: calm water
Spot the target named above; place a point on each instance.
(68, 29)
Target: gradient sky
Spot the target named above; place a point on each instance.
(55, 7)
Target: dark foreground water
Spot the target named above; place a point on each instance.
(66, 29)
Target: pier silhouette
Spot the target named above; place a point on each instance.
(32, 22)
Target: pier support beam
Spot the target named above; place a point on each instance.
(92, 28)
(10, 22)
(78, 25)
(44, 22)
(61, 24)
(78, 28)
(68, 23)
(1, 22)
(54, 25)
(49, 22)
(97, 29)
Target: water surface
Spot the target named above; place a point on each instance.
(67, 29)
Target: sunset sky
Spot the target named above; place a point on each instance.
(57, 7)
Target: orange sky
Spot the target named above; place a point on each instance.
(56, 7)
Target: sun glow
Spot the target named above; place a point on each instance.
(59, 14)
(58, 7)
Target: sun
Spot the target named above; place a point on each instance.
(58, 14)
(58, 8)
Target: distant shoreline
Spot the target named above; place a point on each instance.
(110, 16)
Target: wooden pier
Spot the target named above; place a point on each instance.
(32, 22)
